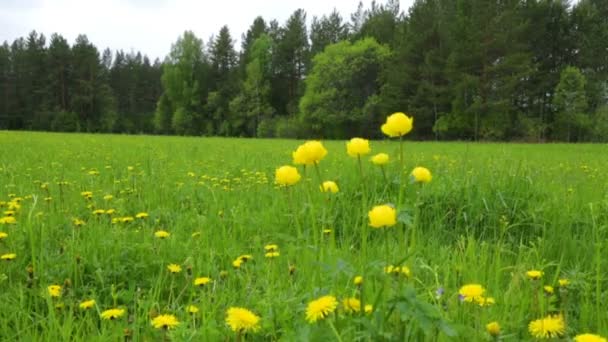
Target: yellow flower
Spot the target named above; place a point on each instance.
(87, 194)
(329, 186)
(161, 234)
(287, 175)
(358, 281)
(8, 220)
(548, 327)
(9, 213)
(165, 322)
(99, 212)
(353, 305)
(382, 216)
(192, 309)
(493, 328)
(380, 159)
(534, 274)
(3, 235)
(107, 197)
(397, 270)
(141, 215)
(471, 292)
(589, 338)
(8, 257)
(421, 175)
(321, 308)
(397, 125)
(174, 268)
(54, 291)
(202, 281)
(242, 320)
(271, 248)
(485, 301)
(126, 219)
(309, 153)
(357, 147)
(112, 314)
(87, 304)
(78, 222)
(548, 290)
(563, 282)
(110, 211)
(271, 255)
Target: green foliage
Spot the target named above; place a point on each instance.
(341, 86)
(570, 101)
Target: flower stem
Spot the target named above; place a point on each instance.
(333, 328)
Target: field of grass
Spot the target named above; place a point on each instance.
(491, 213)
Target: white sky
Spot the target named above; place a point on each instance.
(151, 26)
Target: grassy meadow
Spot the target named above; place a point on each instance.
(491, 213)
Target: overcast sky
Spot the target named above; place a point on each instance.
(151, 26)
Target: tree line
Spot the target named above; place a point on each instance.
(531, 70)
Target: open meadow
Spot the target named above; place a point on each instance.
(150, 238)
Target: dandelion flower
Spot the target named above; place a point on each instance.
(357, 147)
(589, 338)
(358, 280)
(471, 292)
(271, 248)
(107, 197)
(548, 327)
(165, 322)
(287, 175)
(548, 290)
(353, 305)
(271, 255)
(421, 175)
(485, 301)
(329, 186)
(87, 304)
(563, 282)
(3, 235)
(380, 159)
(174, 268)
(382, 216)
(534, 274)
(54, 291)
(309, 153)
(397, 125)
(241, 320)
(321, 308)
(141, 215)
(8, 257)
(8, 220)
(202, 281)
(161, 234)
(398, 270)
(493, 328)
(192, 309)
(112, 314)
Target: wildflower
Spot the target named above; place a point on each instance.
(309, 153)
(485, 301)
(8, 220)
(320, 308)
(161, 234)
(87, 304)
(195, 234)
(9, 213)
(87, 194)
(110, 211)
(93, 173)
(589, 338)
(271, 248)
(358, 280)
(329, 186)
(382, 216)
(397, 270)
(99, 212)
(493, 328)
(397, 125)
(534, 274)
(380, 159)
(563, 282)
(192, 309)
(421, 175)
(237, 263)
(202, 281)
(112, 314)
(3, 235)
(548, 290)
(126, 219)
(141, 215)
(353, 305)
(471, 292)
(287, 175)
(326, 231)
(48, 199)
(271, 255)
(107, 197)
(548, 327)
(54, 291)
(78, 222)
(241, 320)
(357, 147)
(8, 257)
(165, 322)
(174, 268)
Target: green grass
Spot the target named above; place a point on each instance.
(491, 213)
